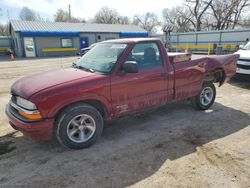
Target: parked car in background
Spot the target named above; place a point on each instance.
(85, 50)
(243, 64)
(114, 79)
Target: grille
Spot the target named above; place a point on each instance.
(247, 60)
(247, 67)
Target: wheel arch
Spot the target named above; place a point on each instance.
(93, 102)
(215, 76)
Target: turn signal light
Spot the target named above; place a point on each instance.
(30, 116)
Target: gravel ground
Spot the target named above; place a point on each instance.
(174, 146)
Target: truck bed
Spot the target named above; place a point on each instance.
(176, 57)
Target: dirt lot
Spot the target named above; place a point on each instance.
(174, 146)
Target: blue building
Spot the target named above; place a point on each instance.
(43, 39)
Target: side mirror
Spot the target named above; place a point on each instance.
(130, 67)
(241, 46)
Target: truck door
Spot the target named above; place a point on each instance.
(133, 92)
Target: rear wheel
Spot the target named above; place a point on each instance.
(206, 97)
(79, 126)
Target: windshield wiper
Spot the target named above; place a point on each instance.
(74, 65)
(86, 69)
(83, 68)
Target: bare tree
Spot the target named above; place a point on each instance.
(108, 15)
(197, 8)
(27, 14)
(147, 21)
(63, 16)
(208, 22)
(123, 20)
(178, 18)
(240, 6)
(3, 29)
(222, 12)
(198, 15)
(77, 20)
(228, 13)
(245, 23)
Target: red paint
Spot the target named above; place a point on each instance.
(119, 94)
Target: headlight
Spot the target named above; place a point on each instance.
(25, 103)
(26, 109)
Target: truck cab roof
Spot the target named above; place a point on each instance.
(131, 40)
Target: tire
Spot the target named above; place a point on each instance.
(205, 98)
(79, 126)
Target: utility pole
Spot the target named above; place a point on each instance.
(69, 13)
(1, 12)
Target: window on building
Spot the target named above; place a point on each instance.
(66, 43)
(99, 37)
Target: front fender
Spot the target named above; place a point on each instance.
(89, 96)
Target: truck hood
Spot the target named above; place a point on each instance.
(244, 54)
(27, 86)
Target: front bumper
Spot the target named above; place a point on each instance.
(243, 71)
(243, 67)
(37, 130)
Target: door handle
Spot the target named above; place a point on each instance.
(164, 74)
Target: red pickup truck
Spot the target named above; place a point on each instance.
(115, 78)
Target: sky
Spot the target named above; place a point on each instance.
(9, 9)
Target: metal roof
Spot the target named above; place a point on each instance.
(129, 40)
(19, 25)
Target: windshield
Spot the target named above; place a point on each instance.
(101, 58)
(247, 46)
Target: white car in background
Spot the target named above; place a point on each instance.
(243, 64)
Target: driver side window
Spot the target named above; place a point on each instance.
(147, 55)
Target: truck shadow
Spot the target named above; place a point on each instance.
(240, 81)
(130, 149)
(7, 146)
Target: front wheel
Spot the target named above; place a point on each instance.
(79, 126)
(206, 97)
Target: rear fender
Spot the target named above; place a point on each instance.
(221, 68)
